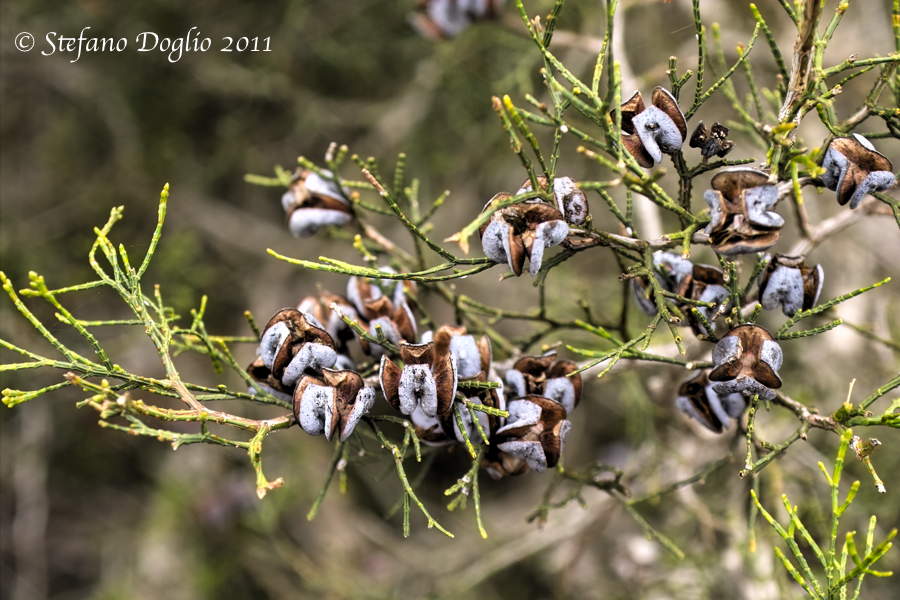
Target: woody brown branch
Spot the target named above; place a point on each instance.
(806, 415)
(199, 412)
(801, 65)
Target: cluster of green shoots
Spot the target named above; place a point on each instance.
(832, 558)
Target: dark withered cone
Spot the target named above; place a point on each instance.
(711, 142)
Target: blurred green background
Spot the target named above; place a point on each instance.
(92, 513)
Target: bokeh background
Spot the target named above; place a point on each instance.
(89, 513)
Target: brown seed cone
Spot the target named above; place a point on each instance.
(747, 360)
